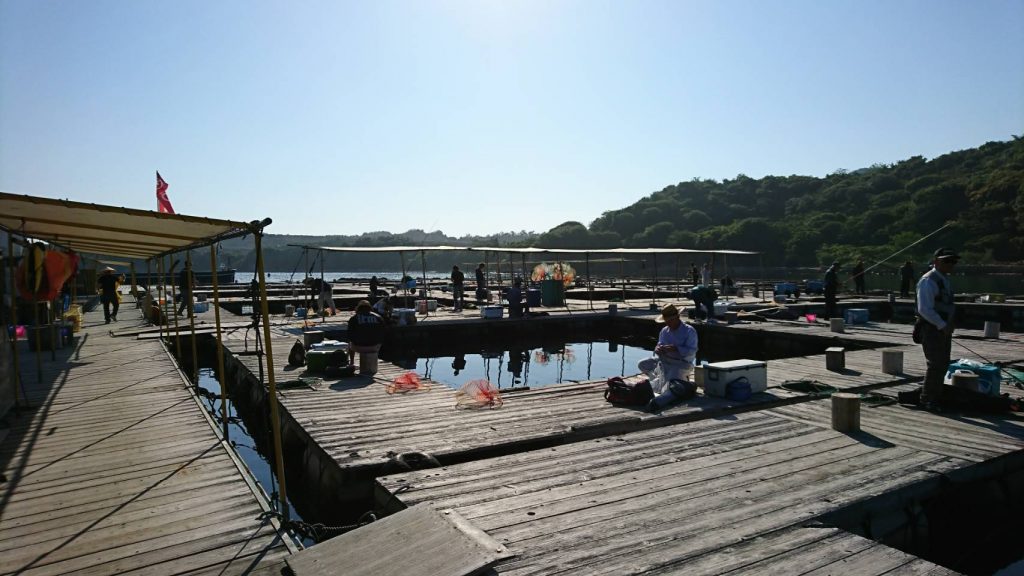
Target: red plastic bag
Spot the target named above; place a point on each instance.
(478, 394)
(408, 382)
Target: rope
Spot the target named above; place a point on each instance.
(808, 387)
(317, 531)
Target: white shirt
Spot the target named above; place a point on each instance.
(927, 291)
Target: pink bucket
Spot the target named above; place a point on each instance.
(811, 317)
(19, 332)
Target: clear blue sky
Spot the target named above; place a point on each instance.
(480, 116)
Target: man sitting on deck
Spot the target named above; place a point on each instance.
(675, 353)
(515, 299)
(365, 330)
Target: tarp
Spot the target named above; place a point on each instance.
(111, 230)
(529, 250)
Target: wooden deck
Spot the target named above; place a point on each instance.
(116, 468)
(573, 485)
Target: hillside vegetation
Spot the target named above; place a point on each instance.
(868, 213)
(802, 220)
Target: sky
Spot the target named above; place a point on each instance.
(483, 116)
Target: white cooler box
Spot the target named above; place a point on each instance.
(714, 377)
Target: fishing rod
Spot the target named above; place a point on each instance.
(905, 248)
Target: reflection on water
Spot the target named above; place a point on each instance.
(536, 366)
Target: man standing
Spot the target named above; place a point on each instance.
(935, 311)
(906, 277)
(675, 353)
(458, 291)
(481, 283)
(186, 282)
(831, 288)
(858, 278)
(108, 293)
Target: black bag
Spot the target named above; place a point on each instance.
(918, 328)
(624, 393)
(297, 355)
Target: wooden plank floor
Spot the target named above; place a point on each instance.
(708, 497)
(360, 425)
(116, 469)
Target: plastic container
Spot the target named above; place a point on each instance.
(300, 312)
(717, 375)
(552, 293)
(533, 297)
(812, 318)
(856, 316)
(988, 376)
(491, 312)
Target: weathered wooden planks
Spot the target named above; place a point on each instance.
(116, 468)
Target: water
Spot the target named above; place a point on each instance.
(533, 367)
(259, 467)
(538, 365)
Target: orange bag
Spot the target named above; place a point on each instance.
(408, 382)
(478, 394)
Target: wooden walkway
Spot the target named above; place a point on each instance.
(710, 486)
(736, 495)
(117, 469)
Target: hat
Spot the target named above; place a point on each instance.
(667, 312)
(108, 269)
(946, 254)
(363, 306)
(835, 263)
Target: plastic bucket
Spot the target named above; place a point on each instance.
(811, 317)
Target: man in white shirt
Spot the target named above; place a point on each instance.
(675, 353)
(935, 311)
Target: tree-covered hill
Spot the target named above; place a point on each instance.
(803, 220)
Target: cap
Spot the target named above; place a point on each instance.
(667, 313)
(946, 254)
(109, 269)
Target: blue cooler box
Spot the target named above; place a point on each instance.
(787, 288)
(988, 376)
(856, 316)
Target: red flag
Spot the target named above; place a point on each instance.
(163, 204)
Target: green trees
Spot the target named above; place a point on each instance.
(868, 213)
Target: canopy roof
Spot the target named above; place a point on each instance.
(519, 250)
(111, 230)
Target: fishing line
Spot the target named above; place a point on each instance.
(904, 249)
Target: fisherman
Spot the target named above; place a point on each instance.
(906, 277)
(365, 330)
(675, 352)
(481, 283)
(324, 294)
(935, 311)
(374, 285)
(458, 290)
(858, 278)
(831, 288)
(108, 283)
(705, 274)
(186, 282)
(694, 274)
(515, 299)
(704, 297)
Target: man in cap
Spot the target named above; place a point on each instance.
(675, 353)
(108, 282)
(935, 311)
(831, 288)
(365, 330)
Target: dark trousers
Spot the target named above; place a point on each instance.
(708, 305)
(458, 296)
(107, 302)
(905, 287)
(936, 345)
(859, 283)
(830, 303)
(184, 302)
